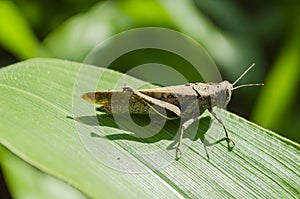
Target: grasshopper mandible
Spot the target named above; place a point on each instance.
(204, 96)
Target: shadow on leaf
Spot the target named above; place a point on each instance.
(168, 132)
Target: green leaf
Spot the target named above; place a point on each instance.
(25, 181)
(36, 104)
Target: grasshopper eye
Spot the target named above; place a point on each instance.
(227, 93)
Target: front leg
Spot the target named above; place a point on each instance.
(225, 129)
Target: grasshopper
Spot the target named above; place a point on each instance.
(186, 101)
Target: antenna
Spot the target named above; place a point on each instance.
(242, 75)
(245, 85)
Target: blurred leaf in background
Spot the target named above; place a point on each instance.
(278, 105)
(16, 36)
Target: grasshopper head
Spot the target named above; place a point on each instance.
(220, 93)
(225, 93)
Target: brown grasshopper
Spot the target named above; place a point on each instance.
(187, 101)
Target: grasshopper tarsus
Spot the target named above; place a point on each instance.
(228, 144)
(231, 141)
(178, 153)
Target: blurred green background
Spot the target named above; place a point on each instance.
(235, 34)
